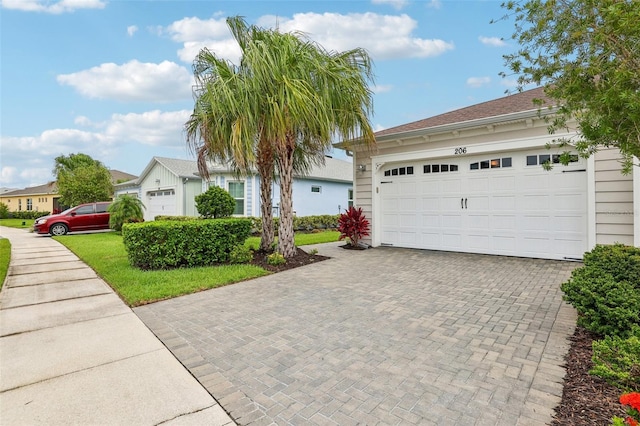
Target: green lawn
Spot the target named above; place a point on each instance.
(17, 223)
(5, 256)
(105, 253)
(302, 239)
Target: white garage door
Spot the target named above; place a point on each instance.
(496, 204)
(161, 203)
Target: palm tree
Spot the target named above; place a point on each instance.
(282, 106)
(309, 96)
(125, 209)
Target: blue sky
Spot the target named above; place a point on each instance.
(112, 79)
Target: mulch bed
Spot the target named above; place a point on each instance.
(586, 400)
(300, 259)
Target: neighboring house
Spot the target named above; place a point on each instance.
(168, 187)
(40, 198)
(470, 180)
(45, 198)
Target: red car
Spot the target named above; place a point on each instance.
(85, 217)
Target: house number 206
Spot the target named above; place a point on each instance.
(459, 151)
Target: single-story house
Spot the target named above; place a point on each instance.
(471, 180)
(168, 186)
(45, 198)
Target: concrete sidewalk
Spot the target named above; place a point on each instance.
(71, 352)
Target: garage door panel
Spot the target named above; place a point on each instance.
(409, 220)
(503, 222)
(451, 221)
(478, 184)
(568, 202)
(407, 188)
(452, 241)
(574, 224)
(529, 181)
(477, 203)
(535, 223)
(408, 238)
(503, 183)
(449, 186)
(407, 204)
(430, 220)
(431, 204)
(476, 221)
(478, 243)
(503, 203)
(504, 244)
(539, 202)
(390, 219)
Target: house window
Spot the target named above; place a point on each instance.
(350, 197)
(20, 204)
(29, 204)
(400, 171)
(316, 189)
(236, 189)
(495, 163)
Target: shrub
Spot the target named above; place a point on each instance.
(4, 211)
(622, 262)
(125, 209)
(276, 259)
(353, 225)
(240, 254)
(27, 214)
(606, 290)
(174, 244)
(215, 203)
(174, 218)
(605, 306)
(617, 360)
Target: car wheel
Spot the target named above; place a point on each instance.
(58, 229)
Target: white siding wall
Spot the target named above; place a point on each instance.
(614, 200)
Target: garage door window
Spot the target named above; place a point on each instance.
(399, 171)
(439, 168)
(495, 163)
(534, 160)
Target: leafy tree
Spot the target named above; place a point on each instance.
(215, 203)
(81, 179)
(587, 55)
(293, 97)
(4, 211)
(125, 209)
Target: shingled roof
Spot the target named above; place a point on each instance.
(518, 102)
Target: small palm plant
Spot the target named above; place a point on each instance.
(125, 209)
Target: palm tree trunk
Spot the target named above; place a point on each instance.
(286, 243)
(265, 170)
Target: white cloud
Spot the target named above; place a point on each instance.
(131, 30)
(383, 36)
(382, 88)
(155, 128)
(133, 81)
(108, 141)
(434, 4)
(195, 33)
(492, 41)
(398, 4)
(478, 81)
(53, 7)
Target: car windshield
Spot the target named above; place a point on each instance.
(66, 211)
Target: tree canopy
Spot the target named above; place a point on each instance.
(586, 53)
(81, 179)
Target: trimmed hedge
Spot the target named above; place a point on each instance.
(617, 361)
(27, 214)
(606, 290)
(175, 244)
(300, 223)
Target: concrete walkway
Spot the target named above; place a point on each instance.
(384, 336)
(72, 353)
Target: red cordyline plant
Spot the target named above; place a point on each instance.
(353, 225)
(632, 400)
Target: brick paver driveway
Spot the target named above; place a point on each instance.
(382, 336)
